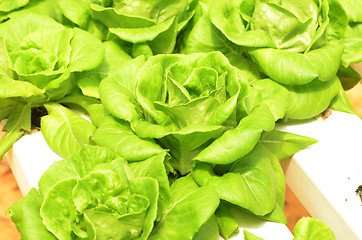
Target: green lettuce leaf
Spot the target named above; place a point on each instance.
(64, 131)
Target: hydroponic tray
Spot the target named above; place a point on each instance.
(324, 176)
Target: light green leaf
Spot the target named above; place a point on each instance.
(10, 5)
(209, 230)
(250, 236)
(154, 167)
(25, 214)
(249, 184)
(226, 17)
(76, 11)
(87, 51)
(10, 88)
(185, 218)
(312, 229)
(118, 136)
(58, 210)
(227, 223)
(284, 144)
(309, 100)
(238, 142)
(65, 131)
(77, 166)
(296, 68)
(19, 122)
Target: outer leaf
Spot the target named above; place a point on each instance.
(185, 218)
(18, 123)
(249, 184)
(65, 131)
(353, 9)
(309, 100)
(58, 202)
(139, 35)
(87, 51)
(118, 136)
(227, 223)
(76, 11)
(154, 167)
(149, 188)
(25, 214)
(209, 230)
(228, 148)
(353, 44)
(9, 5)
(185, 144)
(296, 68)
(250, 236)
(10, 88)
(114, 60)
(283, 144)
(273, 95)
(226, 17)
(6, 107)
(77, 166)
(309, 228)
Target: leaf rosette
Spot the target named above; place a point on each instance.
(95, 194)
(151, 26)
(40, 55)
(295, 43)
(188, 101)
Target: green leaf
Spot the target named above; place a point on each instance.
(77, 166)
(76, 11)
(226, 17)
(296, 68)
(118, 136)
(348, 77)
(185, 218)
(149, 188)
(10, 5)
(25, 214)
(341, 103)
(249, 184)
(17, 124)
(117, 91)
(353, 44)
(208, 231)
(186, 143)
(309, 100)
(353, 9)
(65, 131)
(274, 95)
(87, 51)
(284, 144)
(17, 29)
(250, 236)
(10, 88)
(58, 210)
(227, 223)
(114, 61)
(6, 107)
(154, 167)
(228, 148)
(309, 228)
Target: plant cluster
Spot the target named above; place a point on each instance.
(165, 111)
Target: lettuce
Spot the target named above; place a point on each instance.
(186, 102)
(94, 194)
(297, 44)
(39, 58)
